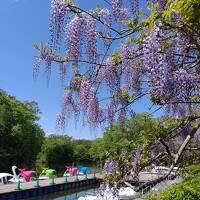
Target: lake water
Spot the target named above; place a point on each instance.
(69, 195)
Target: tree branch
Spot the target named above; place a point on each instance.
(175, 162)
(171, 155)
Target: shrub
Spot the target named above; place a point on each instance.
(177, 192)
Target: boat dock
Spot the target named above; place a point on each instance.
(16, 191)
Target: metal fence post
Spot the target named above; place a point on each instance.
(37, 184)
(52, 180)
(65, 179)
(18, 186)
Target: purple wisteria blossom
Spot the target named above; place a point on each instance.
(62, 69)
(91, 38)
(108, 72)
(135, 6)
(60, 121)
(130, 69)
(105, 16)
(93, 108)
(172, 88)
(111, 111)
(73, 35)
(155, 62)
(84, 94)
(109, 166)
(48, 60)
(36, 66)
(119, 12)
(57, 17)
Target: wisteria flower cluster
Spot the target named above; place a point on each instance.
(48, 55)
(170, 86)
(106, 18)
(73, 37)
(57, 18)
(109, 166)
(118, 12)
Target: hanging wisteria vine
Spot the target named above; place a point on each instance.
(158, 65)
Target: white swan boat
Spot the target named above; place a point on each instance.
(15, 178)
(10, 178)
(5, 178)
(24, 175)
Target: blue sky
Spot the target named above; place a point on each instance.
(23, 23)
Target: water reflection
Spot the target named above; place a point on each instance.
(76, 195)
(69, 195)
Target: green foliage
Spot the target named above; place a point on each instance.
(133, 22)
(97, 151)
(189, 10)
(178, 192)
(112, 178)
(20, 135)
(60, 150)
(123, 139)
(193, 170)
(57, 151)
(116, 57)
(81, 151)
(177, 15)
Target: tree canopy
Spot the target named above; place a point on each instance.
(117, 140)
(20, 135)
(56, 152)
